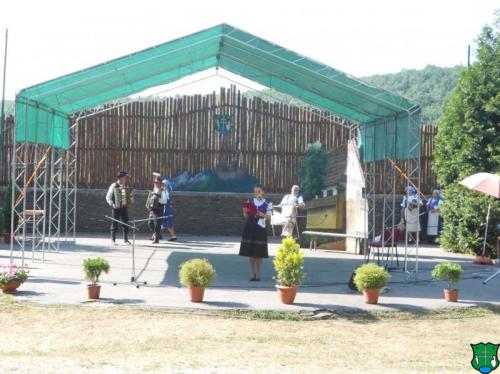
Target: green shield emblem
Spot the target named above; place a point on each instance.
(485, 358)
(223, 123)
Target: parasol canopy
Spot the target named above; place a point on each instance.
(483, 182)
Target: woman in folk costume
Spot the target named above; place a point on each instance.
(410, 211)
(289, 205)
(434, 220)
(168, 213)
(257, 210)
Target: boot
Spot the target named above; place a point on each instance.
(156, 239)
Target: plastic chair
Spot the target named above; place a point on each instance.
(388, 243)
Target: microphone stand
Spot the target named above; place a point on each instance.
(133, 279)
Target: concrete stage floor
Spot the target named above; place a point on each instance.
(59, 280)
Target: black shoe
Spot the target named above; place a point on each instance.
(113, 242)
(126, 242)
(253, 279)
(173, 239)
(257, 279)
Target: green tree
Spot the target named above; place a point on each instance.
(468, 142)
(312, 173)
(430, 87)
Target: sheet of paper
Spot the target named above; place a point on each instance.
(262, 223)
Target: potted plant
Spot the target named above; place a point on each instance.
(450, 273)
(288, 264)
(370, 279)
(6, 213)
(196, 274)
(11, 277)
(93, 267)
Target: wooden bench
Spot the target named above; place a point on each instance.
(313, 244)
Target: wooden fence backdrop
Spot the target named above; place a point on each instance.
(172, 135)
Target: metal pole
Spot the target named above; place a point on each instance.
(75, 182)
(34, 219)
(13, 195)
(2, 110)
(45, 186)
(486, 229)
(25, 192)
(133, 253)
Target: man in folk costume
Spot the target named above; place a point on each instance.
(156, 204)
(118, 199)
(289, 205)
(411, 212)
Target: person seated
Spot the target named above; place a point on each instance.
(289, 205)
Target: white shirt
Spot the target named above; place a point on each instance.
(163, 197)
(291, 199)
(411, 199)
(110, 193)
(269, 210)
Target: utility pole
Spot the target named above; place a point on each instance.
(2, 110)
(468, 56)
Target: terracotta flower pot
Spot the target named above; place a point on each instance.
(287, 294)
(93, 291)
(11, 287)
(451, 295)
(482, 260)
(196, 294)
(371, 296)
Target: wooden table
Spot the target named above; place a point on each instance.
(313, 244)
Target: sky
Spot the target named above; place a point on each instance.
(50, 38)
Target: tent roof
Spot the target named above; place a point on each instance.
(44, 109)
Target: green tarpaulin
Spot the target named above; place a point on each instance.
(43, 111)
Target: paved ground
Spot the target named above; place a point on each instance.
(60, 278)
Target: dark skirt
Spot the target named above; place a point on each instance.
(254, 240)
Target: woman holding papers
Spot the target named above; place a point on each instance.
(257, 210)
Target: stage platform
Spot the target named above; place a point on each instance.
(59, 280)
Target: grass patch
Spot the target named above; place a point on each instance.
(130, 339)
(266, 315)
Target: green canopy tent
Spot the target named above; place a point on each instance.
(43, 111)
(386, 125)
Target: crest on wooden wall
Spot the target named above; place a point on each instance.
(223, 123)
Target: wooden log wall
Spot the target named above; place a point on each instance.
(172, 135)
(266, 139)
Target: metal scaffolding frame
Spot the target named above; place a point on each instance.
(383, 210)
(43, 192)
(412, 173)
(71, 185)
